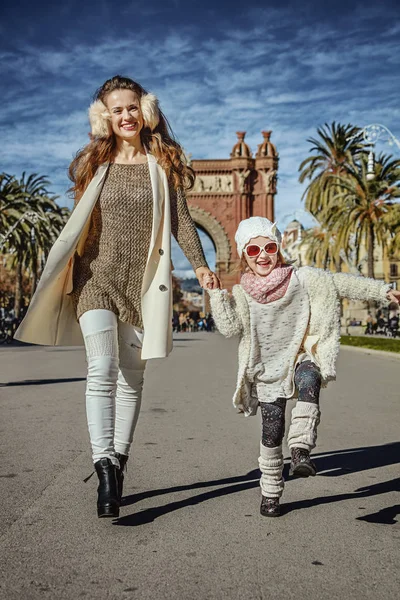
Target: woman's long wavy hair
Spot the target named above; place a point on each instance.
(160, 142)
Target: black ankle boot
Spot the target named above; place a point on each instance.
(123, 459)
(107, 501)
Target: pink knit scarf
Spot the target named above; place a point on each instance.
(270, 288)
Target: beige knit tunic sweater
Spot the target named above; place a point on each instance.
(110, 272)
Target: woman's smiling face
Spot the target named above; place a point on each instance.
(126, 115)
(264, 263)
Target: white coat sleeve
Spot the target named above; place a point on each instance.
(356, 287)
(225, 315)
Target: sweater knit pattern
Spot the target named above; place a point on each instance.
(277, 331)
(232, 317)
(109, 274)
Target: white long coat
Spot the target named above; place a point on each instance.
(232, 317)
(51, 319)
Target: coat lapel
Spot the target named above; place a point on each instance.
(80, 216)
(157, 199)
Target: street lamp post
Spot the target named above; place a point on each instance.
(32, 218)
(371, 134)
(29, 216)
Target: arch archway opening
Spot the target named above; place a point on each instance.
(182, 267)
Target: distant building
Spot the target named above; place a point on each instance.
(292, 247)
(193, 298)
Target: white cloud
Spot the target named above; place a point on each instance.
(210, 86)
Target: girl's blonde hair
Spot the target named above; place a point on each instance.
(159, 141)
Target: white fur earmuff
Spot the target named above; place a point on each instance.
(150, 111)
(100, 117)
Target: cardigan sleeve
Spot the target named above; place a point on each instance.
(184, 229)
(356, 287)
(224, 312)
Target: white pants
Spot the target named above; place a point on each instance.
(114, 382)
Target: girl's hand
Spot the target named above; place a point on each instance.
(207, 279)
(393, 296)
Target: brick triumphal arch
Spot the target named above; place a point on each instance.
(227, 191)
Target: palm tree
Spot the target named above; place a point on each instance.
(12, 202)
(393, 223)
(32, 220)
(321, 249)
(317, 246)
(50, 219)
(336, 149)
(363, 209)
(11, 205)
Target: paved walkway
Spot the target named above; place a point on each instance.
(190, 527)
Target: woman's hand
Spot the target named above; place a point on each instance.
(393, 296)
(207, 279)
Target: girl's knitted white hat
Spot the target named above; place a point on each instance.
(254, 227)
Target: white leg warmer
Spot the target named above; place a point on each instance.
(271, 467)
(303, 426)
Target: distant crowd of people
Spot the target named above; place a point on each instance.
(8, 321)
(379, 325)
(182, 322)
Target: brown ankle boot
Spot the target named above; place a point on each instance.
(270, 507)
(301, 464)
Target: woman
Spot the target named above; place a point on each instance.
(110, 269)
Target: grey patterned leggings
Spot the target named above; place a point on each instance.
(307, 380)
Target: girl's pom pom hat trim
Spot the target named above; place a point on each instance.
(255, 227)
(100, 117)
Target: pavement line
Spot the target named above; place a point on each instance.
(394, 355)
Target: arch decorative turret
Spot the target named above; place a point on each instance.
(241, 148)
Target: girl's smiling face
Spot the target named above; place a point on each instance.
(264, 263)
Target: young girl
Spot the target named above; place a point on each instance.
(289, 325)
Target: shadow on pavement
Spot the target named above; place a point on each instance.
(386, 516)
(250, 476)
(150, 514)
(41, 381)
(364, 492)
(355, 460)
(185, 339)
(339, 463)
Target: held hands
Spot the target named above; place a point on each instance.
(393, 296)
(207, 279)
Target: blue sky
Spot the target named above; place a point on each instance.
(217, 68)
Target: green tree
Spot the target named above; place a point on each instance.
(31, 221)
(334, 151)
(362, 213)
(321, 250)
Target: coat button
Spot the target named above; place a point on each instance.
(161, 252)
(163, 288)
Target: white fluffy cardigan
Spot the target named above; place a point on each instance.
(232, 317)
